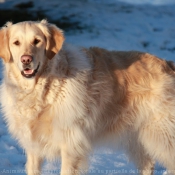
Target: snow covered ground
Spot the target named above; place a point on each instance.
(148, 26)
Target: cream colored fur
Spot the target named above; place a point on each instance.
(80, 97)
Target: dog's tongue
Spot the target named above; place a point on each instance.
(28, 71)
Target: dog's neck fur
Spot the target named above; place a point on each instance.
(70, 61)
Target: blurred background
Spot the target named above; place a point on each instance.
(144, 25)
(20, 10)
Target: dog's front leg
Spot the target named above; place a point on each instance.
(33, 164)
(73, 163)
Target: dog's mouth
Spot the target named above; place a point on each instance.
(29, 73)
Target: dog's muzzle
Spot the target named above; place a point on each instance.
(29, 73)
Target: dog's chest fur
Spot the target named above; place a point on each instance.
(40, 119)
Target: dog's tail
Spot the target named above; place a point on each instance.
(171, 64)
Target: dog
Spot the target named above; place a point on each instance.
(60, 100)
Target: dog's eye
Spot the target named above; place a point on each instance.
(36, 41)
(17, 43)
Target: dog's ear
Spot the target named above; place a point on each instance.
(55, 41)
(4, 45)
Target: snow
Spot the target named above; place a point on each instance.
(148, 26)
(154, 2)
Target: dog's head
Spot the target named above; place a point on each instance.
(29, 44)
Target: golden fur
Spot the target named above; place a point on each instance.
(80, 97)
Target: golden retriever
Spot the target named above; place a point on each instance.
(59, 100)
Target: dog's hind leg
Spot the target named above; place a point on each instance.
(33, 164)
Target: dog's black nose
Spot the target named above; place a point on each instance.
(26, 59)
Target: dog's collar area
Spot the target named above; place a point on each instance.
(29, 73)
